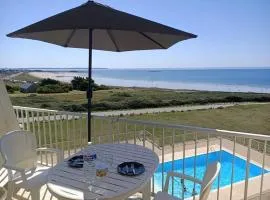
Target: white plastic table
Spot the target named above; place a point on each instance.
(66, 182)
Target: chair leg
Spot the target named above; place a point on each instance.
(35, 194)
(147, 191)
(10, 190)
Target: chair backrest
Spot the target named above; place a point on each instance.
(18, 149)
(208, 179)
(8, 120)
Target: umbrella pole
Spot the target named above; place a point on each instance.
(89, 93)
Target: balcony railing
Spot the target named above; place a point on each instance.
(68, 131)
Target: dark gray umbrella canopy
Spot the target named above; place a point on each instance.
(96, 26)
(113, 30)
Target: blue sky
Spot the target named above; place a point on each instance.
(231, 33)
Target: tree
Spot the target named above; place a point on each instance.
(80, 83)
(48, 81)
(53, 86)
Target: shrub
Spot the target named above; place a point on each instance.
(103, 87)
(52, 89)
(80, 83)
(141, 103)
(234, 99)
(262, 99)
(10, 89)
(122, 94)
(44, 105)
(66, 86)
(48, 81)
(74, 108)
(53, 86)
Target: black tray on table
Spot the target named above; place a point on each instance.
(130, 168)
(76, 161)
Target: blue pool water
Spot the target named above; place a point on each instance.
(225, 173)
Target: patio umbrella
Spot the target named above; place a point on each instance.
(96, 26)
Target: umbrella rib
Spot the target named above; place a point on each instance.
(154, 41)
(113, 40)
(70, 37)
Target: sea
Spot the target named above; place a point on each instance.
(229, 80)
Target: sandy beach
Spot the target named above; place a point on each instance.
(125, 81)
(61, 76)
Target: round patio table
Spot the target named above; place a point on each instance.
(65, 182)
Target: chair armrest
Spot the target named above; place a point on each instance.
(58, 152)
(191, 178)
(179, 175)
(10, 167)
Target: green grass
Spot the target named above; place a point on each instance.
(26, 77)
(48, 101)
(244, 118)
(131, 98)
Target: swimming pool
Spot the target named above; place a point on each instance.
(225, 173)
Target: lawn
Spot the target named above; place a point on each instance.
(253, 118)
(244, 118)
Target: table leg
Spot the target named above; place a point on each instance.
(146, 192)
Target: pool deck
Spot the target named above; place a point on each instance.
(227, 145)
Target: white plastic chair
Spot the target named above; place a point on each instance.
(208, 179)
(19, 150)
(3, 193)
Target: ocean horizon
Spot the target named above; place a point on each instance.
(208, 79)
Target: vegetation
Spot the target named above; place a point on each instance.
(230, 118)
(253, 118)
(53, 86)
(132, 98)
(48, 81)
(12, 88)
(26, 77)
(80, 83)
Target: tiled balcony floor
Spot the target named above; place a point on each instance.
(46, 195)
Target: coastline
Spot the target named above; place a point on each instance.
(68, 76)
(60, 76)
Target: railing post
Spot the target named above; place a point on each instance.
(232, 175)
(55, 130)
(262, 174)
(22, 119)
(247, 169)
(207, 150)
(50, 134)
(173, 136)
(153, 149)
(220, 157)
(144, 135)
(195, 166)
(183, 164)
(162, 164)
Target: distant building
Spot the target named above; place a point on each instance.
(28, 88)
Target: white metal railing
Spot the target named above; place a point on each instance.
(54, 129)
(68, 131)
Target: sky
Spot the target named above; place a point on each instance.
(231, 33)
